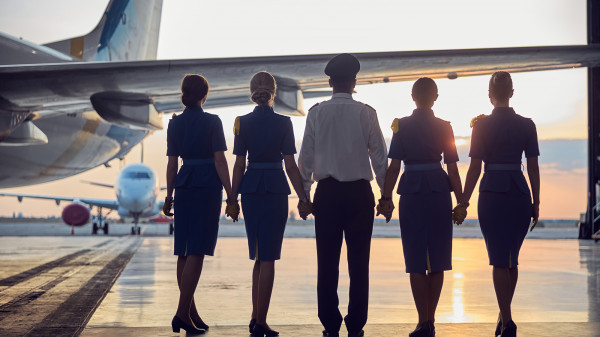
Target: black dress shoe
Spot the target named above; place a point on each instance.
(200, 324)
(498, 327)
(330, 333)
(251, 325)
(260, 331)
(510, 330)
(422, 330)
(361, 333)
(178, 324)
(431, 329)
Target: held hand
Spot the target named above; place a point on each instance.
(305, 208)
(232, 210)
(535, 216)
(459, 213)
(167, 206)
(385, 208)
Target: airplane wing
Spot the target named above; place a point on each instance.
(72, 87)
(110, 204)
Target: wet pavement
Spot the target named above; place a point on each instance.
(51, 285)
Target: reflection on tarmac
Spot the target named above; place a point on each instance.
(558, 291)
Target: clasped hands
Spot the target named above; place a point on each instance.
(305, 208)
(232, 209)
(459, 213)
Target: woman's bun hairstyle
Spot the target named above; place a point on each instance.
(193, 89)
(262, 88)
(501, 85)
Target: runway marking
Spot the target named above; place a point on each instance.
(28, 274)
(60, 300)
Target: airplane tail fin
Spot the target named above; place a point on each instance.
(128, 31)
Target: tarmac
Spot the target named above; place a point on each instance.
(126, 286)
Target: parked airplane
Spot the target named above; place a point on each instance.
(136, 190)
(75, 104)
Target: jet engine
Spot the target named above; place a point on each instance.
(76, 215)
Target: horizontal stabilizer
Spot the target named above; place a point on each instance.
(98, 184)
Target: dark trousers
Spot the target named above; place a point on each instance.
(343, 209)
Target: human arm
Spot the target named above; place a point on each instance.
(386, 206)
(293, 173)
(172, 167)
(238, 173)
(472, 177)
(377, 150)
(533, 171)
(306, 157)
(223, 171)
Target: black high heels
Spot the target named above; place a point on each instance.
(177, 324)
(510, 330)
(200, 324)
(251, 325)
(260, 331)
(431, 329)
(422, 330)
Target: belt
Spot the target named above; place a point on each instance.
(422, 167)
(272, 165)
(198, 161)
(503, 167)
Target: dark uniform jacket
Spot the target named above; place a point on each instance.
(501, 138)
(266, 137)
(196, 134)
(422, 138)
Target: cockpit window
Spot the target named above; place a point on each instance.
(137, 175)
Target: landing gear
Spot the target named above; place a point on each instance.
(132, 231)
(136, 228)
(99, 222)
(171, 228)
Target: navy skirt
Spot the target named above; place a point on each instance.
(504, 218)
(196, 221)
(426, 229)
(265, 216)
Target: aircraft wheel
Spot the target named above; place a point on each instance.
(105, 228)
(171, 228)
(132, 231)
(94, 228)
(139, 231)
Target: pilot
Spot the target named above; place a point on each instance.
(266, 138)
(425, 207)
(341, 136)
(505, 208)
(197, 137)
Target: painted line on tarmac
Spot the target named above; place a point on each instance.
(72, 315)
(35, 271)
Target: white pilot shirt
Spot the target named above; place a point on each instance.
(341, 135)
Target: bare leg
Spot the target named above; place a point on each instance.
(265, 288)
(255, 276)
(436, 281)
(514, 276)
(189, 280)
(503, 285)
(419, 284)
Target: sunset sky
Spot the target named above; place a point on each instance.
(556, 100)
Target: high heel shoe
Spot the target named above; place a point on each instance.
(177, 324)
(510, 330)
(260, 331)
(200, 324)
(422, 330)
(251, 325)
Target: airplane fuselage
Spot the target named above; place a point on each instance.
(136, 190)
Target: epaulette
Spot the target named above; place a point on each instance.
(395, 126)
(173, 116)
(236, 126)
(313, 106)
(370, 107)
(480, 117)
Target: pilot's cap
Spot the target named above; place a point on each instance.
(343, 66)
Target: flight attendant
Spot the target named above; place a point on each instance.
(342, 147)
(197, 137)
(425, 208)
(266, 138)
(505, 208)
